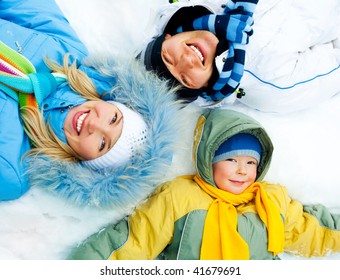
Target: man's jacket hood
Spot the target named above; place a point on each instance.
(216, 126)
(126, 185)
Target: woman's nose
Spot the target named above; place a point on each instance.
(93, 125)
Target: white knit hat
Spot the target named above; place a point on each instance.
(133, 136)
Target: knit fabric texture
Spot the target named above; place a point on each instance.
(132, 138)
(18, 78)
(241, 144)
(13, 70)
(234, 26)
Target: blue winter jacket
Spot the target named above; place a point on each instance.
(36, 29)
(40, 29)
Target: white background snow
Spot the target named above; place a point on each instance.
(306, 159)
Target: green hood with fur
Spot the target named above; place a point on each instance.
(216, 126)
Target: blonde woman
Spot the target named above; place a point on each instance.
(94, 135)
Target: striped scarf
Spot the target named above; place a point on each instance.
(19, 79)
(233, 29)
(221, 239)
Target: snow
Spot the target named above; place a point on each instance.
(39, 226)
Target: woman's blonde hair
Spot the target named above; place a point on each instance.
(40, 133)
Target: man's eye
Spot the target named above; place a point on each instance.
(102, 145)
(114, 119)
(166, 59)
(185, 82)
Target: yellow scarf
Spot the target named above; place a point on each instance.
(221, 239)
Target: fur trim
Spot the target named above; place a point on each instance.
(124, 186)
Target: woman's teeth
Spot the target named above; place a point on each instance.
(198, 52)
(80, 121)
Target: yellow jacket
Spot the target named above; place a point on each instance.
(169, 225)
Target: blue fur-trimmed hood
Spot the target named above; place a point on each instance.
(127, 185)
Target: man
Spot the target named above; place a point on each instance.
(290, 63)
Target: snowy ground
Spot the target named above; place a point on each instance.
(40, 226)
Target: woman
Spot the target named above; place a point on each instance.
(93, 145)
(291, 61)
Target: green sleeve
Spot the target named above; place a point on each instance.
(324, 216)
(100, 246)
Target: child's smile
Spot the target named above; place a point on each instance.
(235, 174)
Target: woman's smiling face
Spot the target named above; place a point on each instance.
(189, 56)
(92, 128)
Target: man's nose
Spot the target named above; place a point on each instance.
(188, 60)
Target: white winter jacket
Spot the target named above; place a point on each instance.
(293, 57)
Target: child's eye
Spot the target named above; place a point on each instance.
(102, 145)
(231, 159)
(252, 162)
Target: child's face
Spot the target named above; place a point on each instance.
(235, 174)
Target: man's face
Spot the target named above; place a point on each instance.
(189, 56)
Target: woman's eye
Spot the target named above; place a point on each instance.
(114, 119)
(102, 145)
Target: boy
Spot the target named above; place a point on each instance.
(222, 212)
